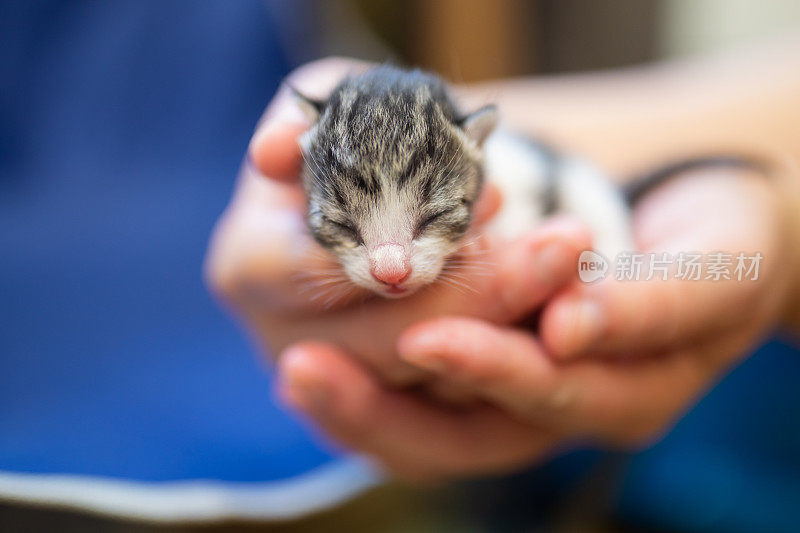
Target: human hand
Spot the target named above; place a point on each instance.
(265, 265)
(621, 383)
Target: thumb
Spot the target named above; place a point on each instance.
(274, 150)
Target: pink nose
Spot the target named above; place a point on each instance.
(389, 265)
(391, 277)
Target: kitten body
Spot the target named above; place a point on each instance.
(536, 182)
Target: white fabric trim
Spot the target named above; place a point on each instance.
(195, 500)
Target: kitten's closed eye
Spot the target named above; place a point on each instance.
(350, 230)
(427, 221)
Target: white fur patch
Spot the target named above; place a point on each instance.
(582, 190)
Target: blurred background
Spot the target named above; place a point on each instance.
(122, 125)
(472, 40)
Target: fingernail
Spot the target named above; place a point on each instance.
(303, 382)
(550, 262)
(583, 324)
(432, 362)
(263, 131)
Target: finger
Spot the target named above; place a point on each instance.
(532, 268)
(274, 149)
(401, 430)
(618, 316)
(489, 202)
(620, 402)
(503, 365)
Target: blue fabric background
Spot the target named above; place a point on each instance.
(122, 125)
(733, 463)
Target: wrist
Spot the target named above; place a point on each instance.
(787, 178)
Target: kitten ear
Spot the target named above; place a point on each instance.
(479, 124)
(311, 108)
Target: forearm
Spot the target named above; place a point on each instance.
(630, 120)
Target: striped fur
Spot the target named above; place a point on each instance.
(390, 160)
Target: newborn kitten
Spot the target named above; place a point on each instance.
(393, 169)
(392, 172)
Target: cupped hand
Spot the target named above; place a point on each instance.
(285, 287)
(711, 212)
(618, 364)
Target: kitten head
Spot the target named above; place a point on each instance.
(392, 172)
